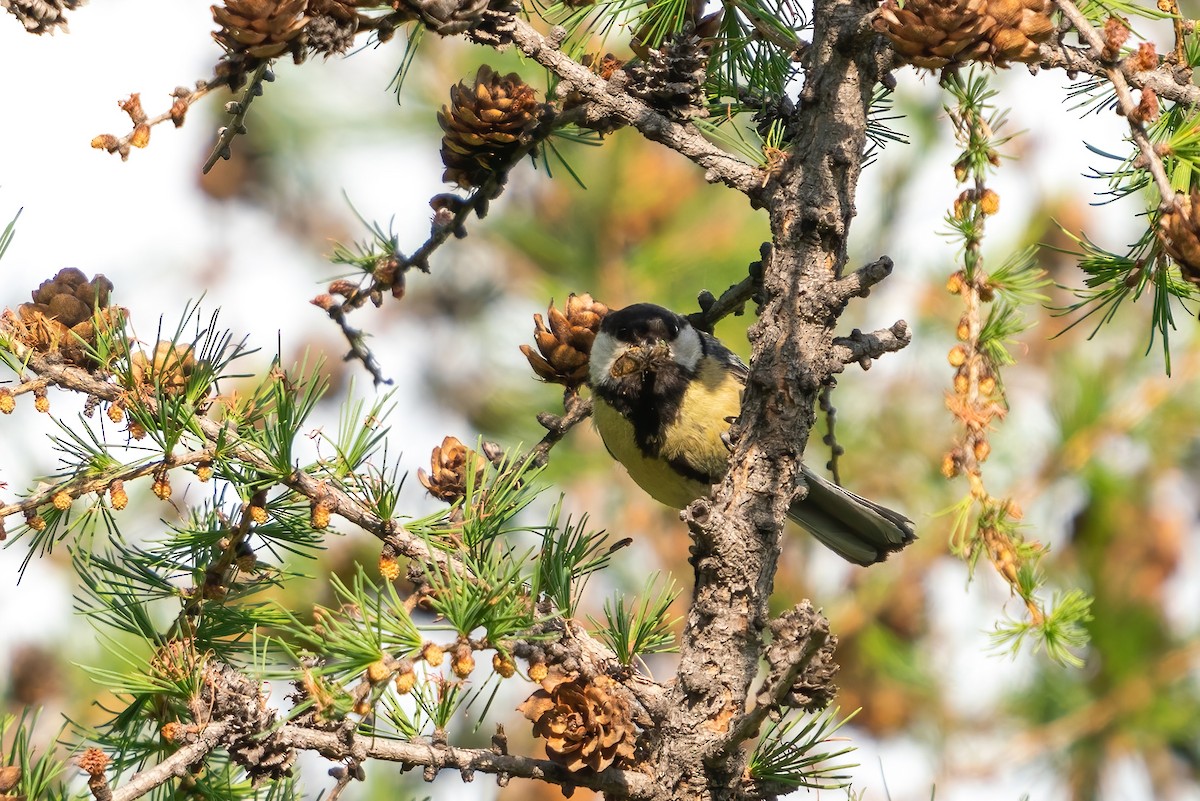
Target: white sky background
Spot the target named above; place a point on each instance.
(144, 224)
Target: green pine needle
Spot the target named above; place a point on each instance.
(798, 752)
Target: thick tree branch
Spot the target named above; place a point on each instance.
(612, 104)
(738, 532)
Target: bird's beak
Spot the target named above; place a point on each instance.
(638, 358)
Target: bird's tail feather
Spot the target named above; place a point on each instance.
(854, 528)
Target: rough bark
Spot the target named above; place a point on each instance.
(738, 532)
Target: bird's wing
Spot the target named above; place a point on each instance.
(714, 348)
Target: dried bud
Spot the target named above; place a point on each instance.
(41, 402)
(172, 732)
(204, 472)
(433, 654)
(957, 356)
(93, 761)
(10, 776)
(956, 283)
(982, 449)
(1144, 58)
(116, 412)
(989, 202)
(463, 662)
(179, 111)
(389, 568)
(538, 671)
(135, 430)
(258, 514)
(1116, 33)
(963, 332)
(951, 465)
(987, 385)
(8, 403)
(133, 107)
(961, 383)
(106, 142)
(162, 486)
(141, 136)
(378, 672)
(503, 665)
(61, 501)
(1147, 107)
(406, 678)
(318, 514)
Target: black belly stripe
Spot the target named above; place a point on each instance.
(687, 470)
(650, 407)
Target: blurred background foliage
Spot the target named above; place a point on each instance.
(1099, 447)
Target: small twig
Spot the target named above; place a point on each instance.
(239, 109)
(1169, 83)
(862, 348)
(732, 300)
(577, 410)
(82, 485)
(858, 283)
(606, 102)
(334, 745)
(825, 399)
(345, 774)
(139, 136)
(340, 503)
(358, 344)
(1125, 102)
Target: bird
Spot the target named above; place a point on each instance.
(664, 395)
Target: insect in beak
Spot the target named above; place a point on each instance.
(631, 361)
(638, 359)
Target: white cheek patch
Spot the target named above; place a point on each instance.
(687, 349)
(605, 351)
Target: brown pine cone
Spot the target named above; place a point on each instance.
(938, 33)
(486, 126)
(448, 464)
(260, 28)
(585, 724)
(64, 314)
(671, 78)
(41, 16)
(1021, 25)
(1180, 236)
(935, 33)
(566, 344)
(332, 25)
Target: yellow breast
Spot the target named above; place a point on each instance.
(694, 437)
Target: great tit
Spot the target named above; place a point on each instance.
(664, 396)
